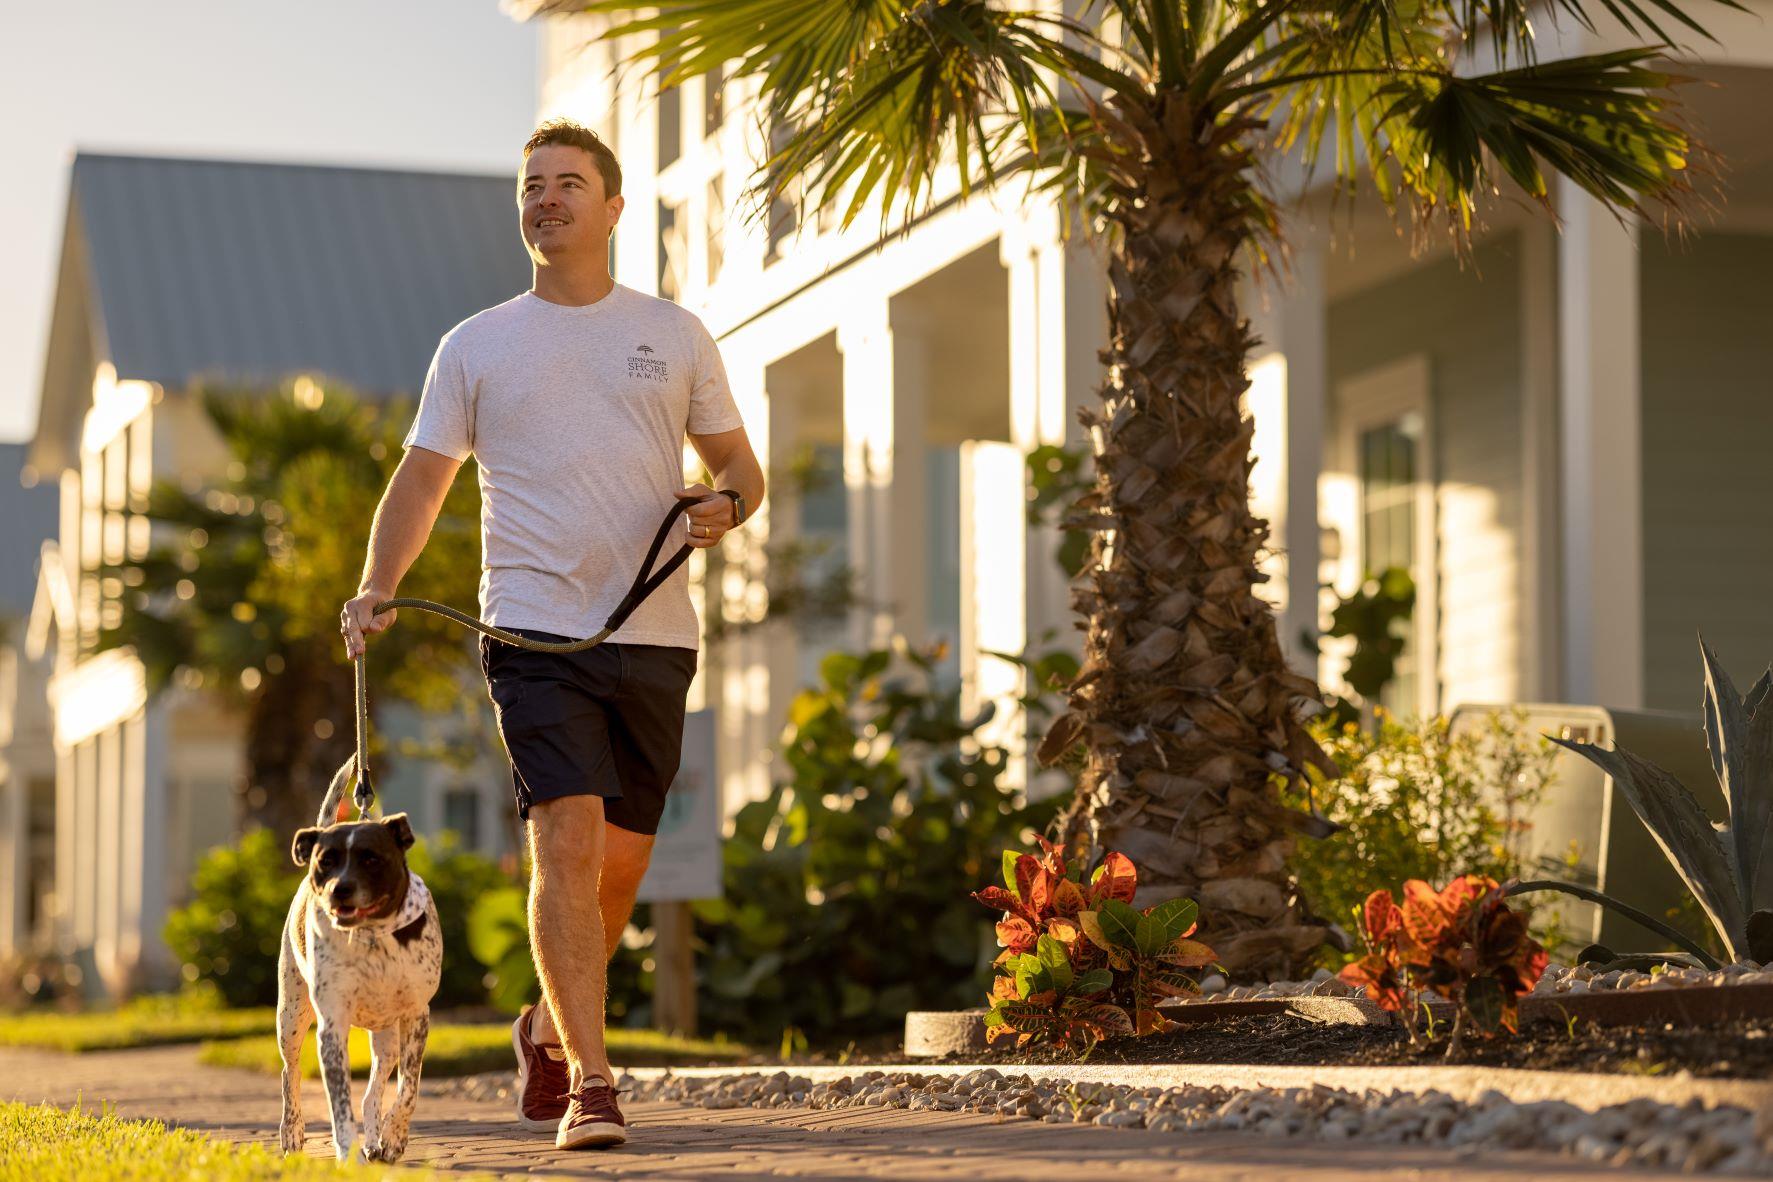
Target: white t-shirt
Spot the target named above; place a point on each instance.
(576, 417)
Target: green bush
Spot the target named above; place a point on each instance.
(231, 931)
(457, 878)
(846, 889)
(1416, 801)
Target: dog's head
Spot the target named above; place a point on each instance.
(357, 870)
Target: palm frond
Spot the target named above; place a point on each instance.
(878, 98)
(796, 48)
(1598, 120)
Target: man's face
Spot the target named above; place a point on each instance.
(560, 194)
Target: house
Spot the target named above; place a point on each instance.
(1560, 437)
(173, 270)
(28, 516)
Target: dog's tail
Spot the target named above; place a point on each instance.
(335, 792)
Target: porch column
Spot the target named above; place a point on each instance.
(885, 375)
(745, 723)
(1539, 642)
(1599, 361)
(1058, 327)
(1287, 397)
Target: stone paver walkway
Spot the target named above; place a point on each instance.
(671, 1143)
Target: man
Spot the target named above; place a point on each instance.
(574, 398)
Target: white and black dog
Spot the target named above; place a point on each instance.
(361, 948)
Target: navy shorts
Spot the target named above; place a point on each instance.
(604, 722)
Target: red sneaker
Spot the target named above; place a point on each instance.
(592, 1120)
(542, 1079)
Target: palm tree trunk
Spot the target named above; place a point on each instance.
(1184, 701)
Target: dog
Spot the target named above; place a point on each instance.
(361, 947)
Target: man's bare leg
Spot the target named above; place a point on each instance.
(625, 858)
(566, 837)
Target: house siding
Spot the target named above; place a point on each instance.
(1464, 320)
(1707, 435)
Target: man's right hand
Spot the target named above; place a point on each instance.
(358, 618)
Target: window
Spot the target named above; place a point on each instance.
(670, 126)
(673, 266)
(461, 813)
(716, 228)
(1379, 498)
(713, 101)
(1388, 468)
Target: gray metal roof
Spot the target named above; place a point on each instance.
(259, 271)
(28, 517)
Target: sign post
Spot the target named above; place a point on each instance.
(685, 866)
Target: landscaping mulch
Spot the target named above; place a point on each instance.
(1733, 1050)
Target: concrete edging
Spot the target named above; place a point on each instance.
(933, 1033)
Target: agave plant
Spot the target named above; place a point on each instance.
(1724, 865)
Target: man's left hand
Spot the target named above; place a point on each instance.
(711, 519)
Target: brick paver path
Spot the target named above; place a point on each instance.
(672, 1143)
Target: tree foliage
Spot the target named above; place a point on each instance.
(239, 592)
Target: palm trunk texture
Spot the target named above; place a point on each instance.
(1187, 708)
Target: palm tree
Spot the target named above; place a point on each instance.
(1150, 121)
(239, 595)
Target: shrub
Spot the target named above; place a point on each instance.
(456, 878)
(1080, 963)
(231, 931)
(1415, 801)
(845, 887)
(1463, 944)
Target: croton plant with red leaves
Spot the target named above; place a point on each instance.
(1080, 963)
(1462, 943)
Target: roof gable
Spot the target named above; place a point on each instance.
(255, 272)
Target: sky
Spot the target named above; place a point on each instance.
(440, 84)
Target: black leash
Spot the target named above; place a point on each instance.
(363, 795)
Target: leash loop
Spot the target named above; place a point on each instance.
(363, 793)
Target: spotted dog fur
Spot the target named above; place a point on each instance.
(344, 963)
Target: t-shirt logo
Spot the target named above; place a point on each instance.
(645, 366)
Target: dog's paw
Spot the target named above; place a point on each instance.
(384, 1151)
(291, 1137)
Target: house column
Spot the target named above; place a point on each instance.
(744, 714)
(1539, 641)
(1288, 398)
(1599, 361)
(1058, 327)
(885, 375)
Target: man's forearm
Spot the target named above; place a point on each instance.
(744, 475)
(402, 526)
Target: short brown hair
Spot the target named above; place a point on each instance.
(565, 131)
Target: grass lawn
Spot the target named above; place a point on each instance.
(41, 1143)
(147, 1021)
(468, 1050)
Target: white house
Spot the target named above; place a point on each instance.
(173, 270)
(28, 516)
(1564, 439)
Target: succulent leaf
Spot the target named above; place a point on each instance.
(1684, 832)
(1741, 745)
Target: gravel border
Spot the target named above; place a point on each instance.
(1693, 1137)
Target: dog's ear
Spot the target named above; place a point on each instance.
(401, 828)
(303, 849)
